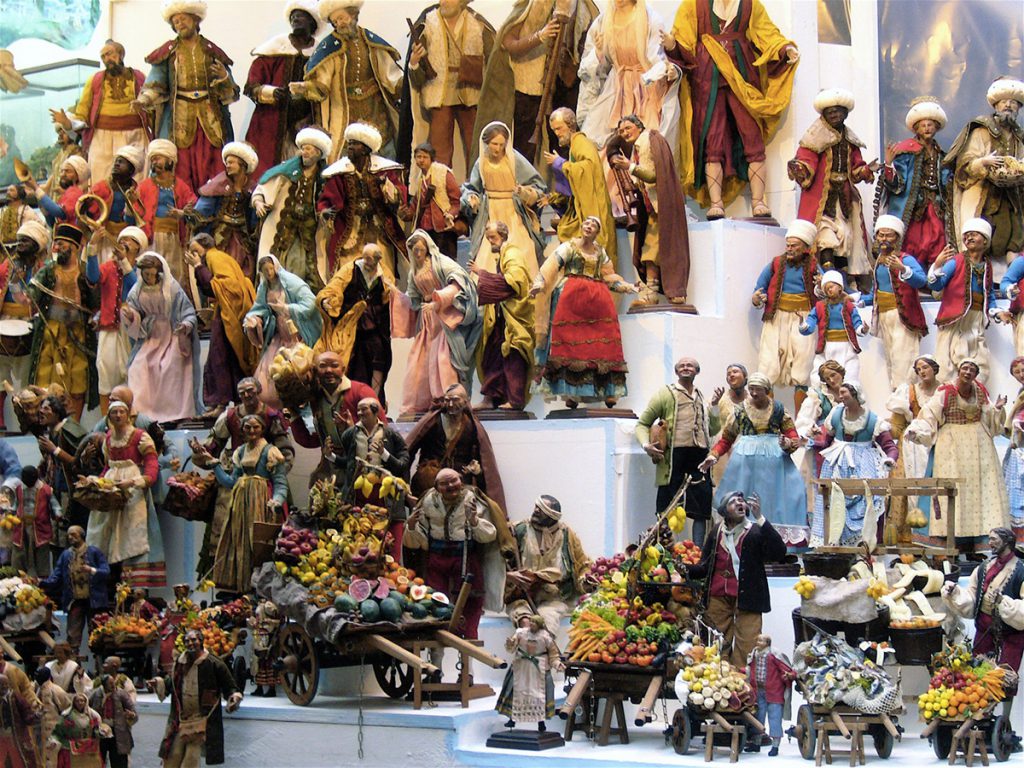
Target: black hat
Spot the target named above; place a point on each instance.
(70, 233)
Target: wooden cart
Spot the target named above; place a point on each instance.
(721, 730)
(602, 689)
(136, 660)
(817, 724)
(28, 646)
(952, 739)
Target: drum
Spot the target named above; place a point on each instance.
(15, 337)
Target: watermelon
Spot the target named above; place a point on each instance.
(370, 611)
(390, 610)
(440, 597)
(382, 590)
(419, 611)
(360, 589)
(416, 592)
(345, 604)
(399, 598)
(443, 612)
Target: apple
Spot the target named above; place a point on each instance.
(621, 659)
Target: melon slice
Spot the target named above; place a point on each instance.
(360, 589)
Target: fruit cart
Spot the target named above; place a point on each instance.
(26, 621)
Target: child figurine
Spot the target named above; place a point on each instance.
(772, 678)
(264, 631)
(528, 692)
(837, 322)
(39, 512)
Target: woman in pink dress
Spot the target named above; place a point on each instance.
(164, 362)
(447, 323)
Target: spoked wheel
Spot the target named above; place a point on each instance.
(300, 674)
(805, 731)
(942, 741)
(681, 731)
(1003, 739)
(394, 677)
(884, 741)
(240, 671)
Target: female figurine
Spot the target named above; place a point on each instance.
(812, 412)
(259, 486)
(761, 436)
(962, 421)
(848, 440)
(503, 186)
(284, 313)
(448, 325)
(915, 459)
(164, 362)
(581, 358)
(79, 732)
(1013, 461)
(130, 535)
(528, 692)
(726, 400)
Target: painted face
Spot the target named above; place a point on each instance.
(159, 163)
(736, 510)
(590, 228)
(628, 131)
(371, 256)
(185, 25)
(496, 146)
(924, 371)
(75, 539)
(450, 8)
(117, 416)
(686, 368)
(758, 395)
(926, 129)
(887, 239)
(345, 18)
(996, 544)
(252, 430)
(835, 116)
(302, 23)
(122, 167)
(562, 132)
(356, 150)
(796, 249)
(735, 377)
(966, 373)
(455, 402)
(196, 250)
(26, 246)
(1008, 108)
(449, 485)
(833, 380)
(193, 642)
(493, 237)
(419, 251)
(366, 415)
(422, 160)
(329, 369)
(975, 241)
(310, 155)
(832, 290)
(233, 165)
(268, 269)
(130, 246)
(47, 416)
(150, 273)
(847, 398)
(68, 177)
(110, 57)
(249, 395)
(1017, 371)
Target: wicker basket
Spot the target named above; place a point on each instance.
(183, 501)
(1006, 177)
(294, 391)
(828, 564)
(100, 499)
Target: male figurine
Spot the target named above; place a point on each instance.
(73, 183)
(361, 195)
(225, 208)
(434, 204)
(59, 438)
(334, 407)
(835, 324)
(898, 318)
(732, 563)
(68, 145)
(15, 212)
(196, 685)
(40, 512)
(739, 81)
(449, 46)
(117, 710)
(525, 62)
(79, 579)
(63, 343)
(285, 200)
(685, 423)
(507, 341)
(105, 115)
(164, 197)
(115, 279)
(785, 288)
(356, 310)
(914, 182)
(661, 259)
(20, 710)
(548, 578)
(452, 436)
(120, 192)
(190, 87)
(968, 301)
(352, 77)
(827, 167)
(463, 532)
(986, 147)
(33, 243)
(580, 181)
(278, 62)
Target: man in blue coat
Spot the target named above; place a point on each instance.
(81, 575)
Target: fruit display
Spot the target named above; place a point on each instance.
(709, 683)
(961, 686)
(918, 622)
(677, 520)
(687, 551)
(326, 501)
(191, 495)
(215, 639)
(192, 484)
(99, 493)
(877, 588)
(805, 586)
(112, 631)
(19, 597)
(604, 566)
(295, 542)
(658, 564)
(386, 487)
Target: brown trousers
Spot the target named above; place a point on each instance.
(442, 128)
(739, 628)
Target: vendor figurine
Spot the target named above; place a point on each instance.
(771, 677)
(528, 693)
(264, 642)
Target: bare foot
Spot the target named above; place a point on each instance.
(715, 212)
(213, 413)
(509, 407)
(486, 404)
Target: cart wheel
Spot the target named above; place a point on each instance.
(300, 674)
(1003, 739)
(942, 741)
(681, 731)
(240, 672)
(805, 731)
(883, 741)
(394, 677)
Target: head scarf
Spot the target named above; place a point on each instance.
(759, 380)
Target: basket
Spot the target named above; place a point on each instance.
(1006, 177)
(830, 565)
(191, 496)
(100, 499)
(915, 647)
(264, 538)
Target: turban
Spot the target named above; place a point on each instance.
(37, 231)
(364, 133)
(977, 225)
(888, 221)
(925, 109)
(833, 97)
(802, 230)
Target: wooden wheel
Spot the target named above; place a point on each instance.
(394, 677)
(300, 673)
(805, 731)
(883, 740)
(942, 741)
(1003, 739)
(681, 731)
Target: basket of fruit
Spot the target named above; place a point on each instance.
(99, 494)
(191, 496)
(23, 606)
(121, 631)
(963, 686)
(915, 640)
(1009, 174)
(292, 372)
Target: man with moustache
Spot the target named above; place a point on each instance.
(190, 87)
(73, 182)
(164, 197)
(286, 201)
(33, 242)
(105, 116)
(120, 192)
(436, 201)
(352, 77)
(68, 145)
(986, 147)
(278, 62)
(63, 343)
(16, 212)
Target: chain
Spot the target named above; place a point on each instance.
(362, 678)
(592, 702)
